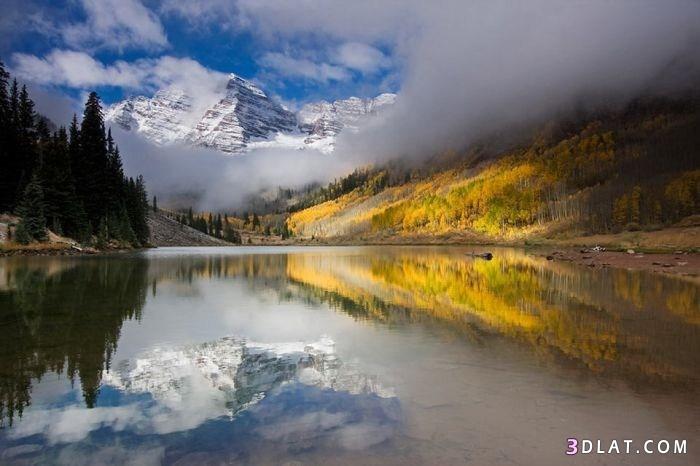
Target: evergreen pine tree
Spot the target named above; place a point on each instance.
(21, 234)
(4, 96)
(70, 182)
(102, 235)
(125, 231)
(60, 199)
(231, 235)
(27, 157)
(137, 208)
(92, 164)
(6, 191)
(31, 209)
(286, 232)
(115, 175)
(9, 149)
(74, 144)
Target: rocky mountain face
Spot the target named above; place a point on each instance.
(244, 118)
(323, 118)
(245, 113)
(240, 372)
(160, 118)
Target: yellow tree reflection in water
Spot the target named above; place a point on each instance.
(643, 327)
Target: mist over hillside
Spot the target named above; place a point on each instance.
(462, 72)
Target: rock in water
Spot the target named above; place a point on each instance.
(485, 255)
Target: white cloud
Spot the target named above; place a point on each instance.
(361, 57)
(358, 20)
(290, 67)
(474, 66)
(79, 70)
(115, 24)
(222, 13)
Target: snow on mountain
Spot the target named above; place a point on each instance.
(162, 118)
(244, 118)
(245, 113)
(323, 121)
(242, 372)
(329, 118)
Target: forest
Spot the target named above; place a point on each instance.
(625, 170)
(69, 181)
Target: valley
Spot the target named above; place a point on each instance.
(627, 178)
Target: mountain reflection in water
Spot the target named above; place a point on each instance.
(84, 372)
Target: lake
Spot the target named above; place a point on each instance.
(343, 355)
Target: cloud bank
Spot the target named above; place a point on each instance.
(464, 68)
(471, 67)
(478, 66)
(212, 181)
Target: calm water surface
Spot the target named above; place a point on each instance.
(392, 355)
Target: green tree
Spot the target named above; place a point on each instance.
(634, 204)
(6, 181)
(219, 226)
(231, 235)
(286, 232)
(31, 209)
(137, 208)
(61, 203)
(26, 143)
(91, 166)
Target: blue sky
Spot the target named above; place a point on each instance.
(460, 67)
(125, 47)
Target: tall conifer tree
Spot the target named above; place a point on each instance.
(6, 191)
(92, 163)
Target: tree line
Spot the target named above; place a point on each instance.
(212, 225)
(69, 180)
(228, 227)
(366, 178)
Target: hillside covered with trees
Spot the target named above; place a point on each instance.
(70, 181)
(637, 168)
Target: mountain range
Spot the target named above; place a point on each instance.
(244, 117)
(239, 371)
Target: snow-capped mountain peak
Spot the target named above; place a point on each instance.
(243, 117)
(243, 372)
(162, 118)
(329, 118)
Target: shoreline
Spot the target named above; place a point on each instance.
(683, 263)
(60, 250)
(679, 263)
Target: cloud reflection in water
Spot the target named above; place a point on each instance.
(231, 394)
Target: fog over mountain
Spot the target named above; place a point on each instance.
(463, 68)
(476, 66)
